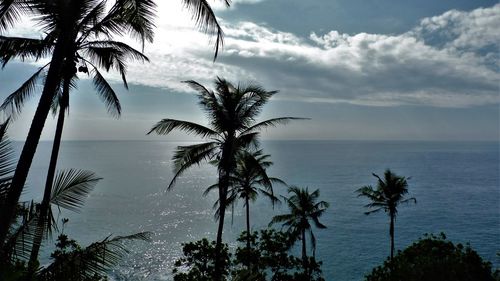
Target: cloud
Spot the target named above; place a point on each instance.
(463, 30)
(450, 60)
(220, 5)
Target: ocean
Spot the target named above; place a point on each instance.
(456, 185)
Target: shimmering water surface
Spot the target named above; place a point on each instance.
(456, 185)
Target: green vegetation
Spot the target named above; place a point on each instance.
(433, 258)
(304, 208)
(388, 195)
(68, 24)
(231, 111)
(248, 181)
(80, 37)
(269, 258)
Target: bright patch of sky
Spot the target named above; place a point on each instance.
(425, 70)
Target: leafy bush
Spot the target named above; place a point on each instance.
(269, 259)
(433, 258)
(199, 261)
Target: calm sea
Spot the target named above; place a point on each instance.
(456, 185)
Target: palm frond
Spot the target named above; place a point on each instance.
(13, 104)
(248, 140)
(166, 126)
(97, 258)
(205, 19)
(281, 219)
(198, 87)
(7, 163)
(136, 17)
(23, 48)
(20, 241)
(210, 189)
(71, 188)
(92, 17)
(106, 93)
(187, 156)
(406, 201)
(10, 12)
(112, 54)
(125, 50)
(272, 123)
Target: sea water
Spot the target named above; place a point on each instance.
(456, 185)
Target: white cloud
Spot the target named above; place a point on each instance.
(367, 69)
(220, 4)
(474, 30)
(458, 70)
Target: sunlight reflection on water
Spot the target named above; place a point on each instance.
(448, 179)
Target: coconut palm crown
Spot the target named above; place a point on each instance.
(248, 180)
(388, 195)
(304, 209)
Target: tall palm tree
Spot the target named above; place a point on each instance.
(248, 181)
(89, 54)
(304, 208)
(388, 195)
(231, 111)
(67, 20)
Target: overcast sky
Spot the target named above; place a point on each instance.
(363, 69)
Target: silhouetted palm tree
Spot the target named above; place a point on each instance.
(89, 54)
(304, 208)
(388, 195)
(65, 22)
(231, 111)
(248, 180)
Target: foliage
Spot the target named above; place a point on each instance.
(270, 258)
(304, 207)
(65, 249)
(389, 194)
(231, 111)
(198, 263)
(433, 258)
(72, 262)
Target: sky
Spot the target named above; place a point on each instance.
(360, 69)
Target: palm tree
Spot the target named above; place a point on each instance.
(388, 196)
(303, 209)
(248, 180)
(89, 54)
(65, 21)
(231, 111)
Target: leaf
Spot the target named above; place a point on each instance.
(206, 21)
(14, 102)
(166, 126)
(106, 93)
(98, 258)
(71, 188)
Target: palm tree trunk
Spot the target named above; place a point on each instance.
(248, 223)
(23, 165)
(391, 233)
(220, 229)
(225, 170)
(304, 252)
(44, 208)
